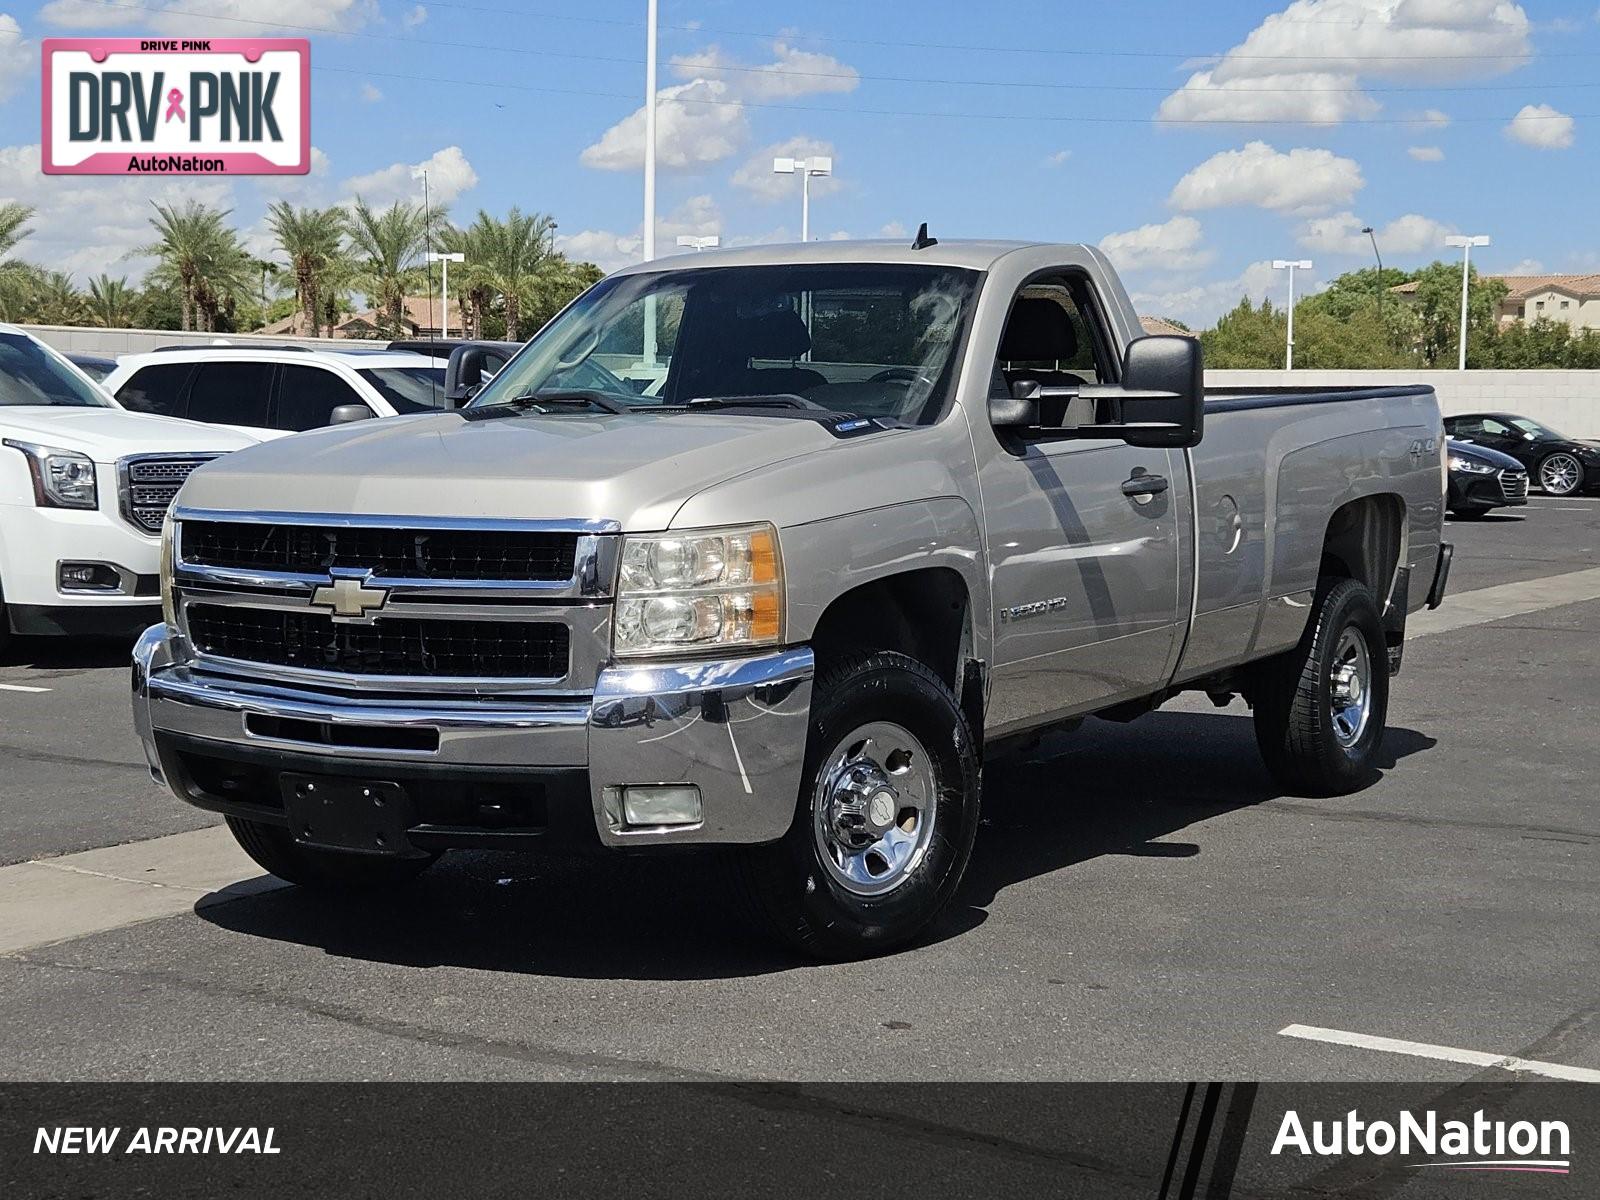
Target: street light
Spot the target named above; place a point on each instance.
(689, 241)
(1367, 229)
(1292, 265)
(440, 256)
(820, 164)
(1466, 243)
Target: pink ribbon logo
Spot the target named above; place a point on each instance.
(174, 106)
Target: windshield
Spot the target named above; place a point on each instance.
(873, 340)
(409, 389)
(1542, 432)
(31, 376)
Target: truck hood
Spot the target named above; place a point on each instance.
(636, 469)
(106, 434)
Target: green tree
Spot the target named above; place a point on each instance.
(112, 304)
(1436, 304)
(389, 245)
(15, 276)
(472, 280)
(201, 254)
(312, 240)
(1247, 338)
(559, 282)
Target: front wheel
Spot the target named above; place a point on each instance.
(886, 816)
(1320, 709)
(1560, 474)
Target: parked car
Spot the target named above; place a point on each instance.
(891, 509)
(1561, 466)
(84, 488)
(1481, 479)
(95, 366)
(271, 392)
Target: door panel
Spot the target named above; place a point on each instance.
(1085, 578)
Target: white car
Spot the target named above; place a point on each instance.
(272, 391)
(84, 487)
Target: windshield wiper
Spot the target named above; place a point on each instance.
(546, 402)
(763, 400)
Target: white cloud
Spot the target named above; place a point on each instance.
(1435, 118)
(608, 250)
(1528, 266)
(16, 56)
(1057, 159)
(415, 17)
(1341, 234)
(236, 18)
(703, 120)
(791, 73)
(86, 224)
(370, 93)
(1307, 63)
(1198, 305)
(1303, 180)
(449, 174)
(697, 123)
(892, 229)
(757, 177)
(1173, 245)
(1426, 153)
(1542, 127)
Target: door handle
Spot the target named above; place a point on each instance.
(1144, 485)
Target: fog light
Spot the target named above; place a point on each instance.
(87, 577)
(678, 804)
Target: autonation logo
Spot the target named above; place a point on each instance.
(1478, 1145)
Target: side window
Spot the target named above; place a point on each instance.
(155, 389)
(230, 393)
(307, 397)
(1049, 338)
(1496, 428)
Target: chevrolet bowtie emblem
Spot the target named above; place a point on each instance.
(350, 598)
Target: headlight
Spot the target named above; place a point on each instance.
(61, 478)
(699, 589)
(169, 602)
(1471, 466)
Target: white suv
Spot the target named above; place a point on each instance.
(84, 487)
(272, 391)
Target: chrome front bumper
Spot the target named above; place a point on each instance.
(733, 728)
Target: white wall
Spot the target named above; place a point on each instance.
(89, 340)
(1567, 401)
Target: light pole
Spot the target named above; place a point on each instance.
(1292, 265)
(440, 256)
(820, 164)
(650, 131)
(690, 242)
(1466, 243)
(1367, 229)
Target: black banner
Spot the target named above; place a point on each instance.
(1153, 1141)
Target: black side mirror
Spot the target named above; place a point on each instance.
(344, 414)
(1019, 410)
(1162, 398)
(463, 374)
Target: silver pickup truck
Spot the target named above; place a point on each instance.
(768, 550)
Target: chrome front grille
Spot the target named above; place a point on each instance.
(396, 603)
(1514, 484)
(148, 483)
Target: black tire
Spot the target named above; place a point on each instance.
(274, 850)
(1578, 482)
(785, 885)
(1294, 698)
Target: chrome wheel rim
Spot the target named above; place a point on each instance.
(873, 810)
(1558, 474)
(1350, 687)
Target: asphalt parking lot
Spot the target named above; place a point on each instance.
(1143, 904)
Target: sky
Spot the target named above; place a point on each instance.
(1194, 142)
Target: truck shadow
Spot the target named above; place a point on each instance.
(67, 654)
(1105, 790)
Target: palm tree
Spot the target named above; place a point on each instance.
(310, 239)
(474, 291)
(55, 301)
(13, 274)
(201, 254)
(389, 245)
(522, 246)
(112, 304)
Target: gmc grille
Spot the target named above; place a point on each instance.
(410, 646)
(148, 485)
(465, 554)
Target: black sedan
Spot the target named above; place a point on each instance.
(1562, 466)
(1481, 479)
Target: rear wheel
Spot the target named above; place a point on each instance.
(1560, 474)
(274, 849)
(886, 816)
(1320, 709)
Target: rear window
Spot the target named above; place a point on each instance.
(155, 389)
(409, 389)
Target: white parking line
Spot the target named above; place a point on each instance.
(1461, 609)
(17, 687)
(1472, 1058)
